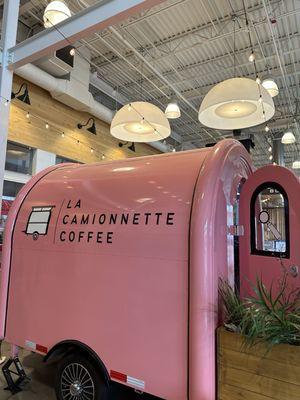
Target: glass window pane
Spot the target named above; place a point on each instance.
(11, 189)
(270, 221)
(60, 160)
(18, 158)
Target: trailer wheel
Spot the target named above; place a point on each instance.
(35, 235)
(77, 378)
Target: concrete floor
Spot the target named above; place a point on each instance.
(42, 377)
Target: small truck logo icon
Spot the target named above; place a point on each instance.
(38, 221)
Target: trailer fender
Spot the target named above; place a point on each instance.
(69, 346)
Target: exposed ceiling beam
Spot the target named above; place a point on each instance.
(88, 21)
(200, 30)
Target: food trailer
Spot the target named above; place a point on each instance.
(113, 267)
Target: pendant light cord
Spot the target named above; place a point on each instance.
(234, 47)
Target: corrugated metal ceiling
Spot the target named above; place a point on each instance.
(189, 45)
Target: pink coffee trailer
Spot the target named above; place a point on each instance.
(114, 267)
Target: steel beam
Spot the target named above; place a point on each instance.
(83, 24)
(8, 36)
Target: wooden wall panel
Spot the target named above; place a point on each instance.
(61, 118)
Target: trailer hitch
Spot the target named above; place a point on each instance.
(14, 385)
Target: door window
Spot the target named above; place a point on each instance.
(270, 221)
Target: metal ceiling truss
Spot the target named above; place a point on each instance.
(186, 63)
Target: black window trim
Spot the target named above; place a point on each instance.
(257, 191)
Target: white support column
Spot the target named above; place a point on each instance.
(41, 160)
(8, 36)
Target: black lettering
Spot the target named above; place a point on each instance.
(74, 220)
(69, 205)
(85, 219)
(136, 217)
(109, 237)
(94, 216)
(65, 219)
(147, 217)
(113, 219)
(90, 236)
(72, 236)
(99, 237)
(170, 217)
(62, 236)
(80, 236)
(158, 217)
(124, 219)
(78, 204)
(102, 219)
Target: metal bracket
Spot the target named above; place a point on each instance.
(10, 57)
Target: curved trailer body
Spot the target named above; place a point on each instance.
(124, 257)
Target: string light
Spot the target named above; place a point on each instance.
(47, 125)
(270, 149)
(267, 128)
(129, 107)
(258, 80)
(72, 52)
(271, 157)
(260, 99)
(63, 135)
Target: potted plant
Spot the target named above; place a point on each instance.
(259, 343)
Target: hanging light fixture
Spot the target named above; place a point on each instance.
(271, 86)
(296, 164)
(140, 122)
(252, 56)
(91, 129)
(288, 138)
(22, 97)
(236, 103)
(56, 12)
(172, 111)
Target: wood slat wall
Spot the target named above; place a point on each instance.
(256, 373)
(61, 118)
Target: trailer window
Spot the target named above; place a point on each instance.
(270, 221)
(39, 220)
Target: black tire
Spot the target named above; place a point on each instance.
(77, 374)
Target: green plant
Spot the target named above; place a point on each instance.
(269, 316)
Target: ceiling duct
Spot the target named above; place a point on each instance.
(278, 152)
(74, 90)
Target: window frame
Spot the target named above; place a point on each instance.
(20, 146)
(254, 250)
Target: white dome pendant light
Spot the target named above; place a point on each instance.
(288, 138)
(172, 111)
(140, 121)
(56, 12)
(296, 164)
(271, 86)
(236, 103)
